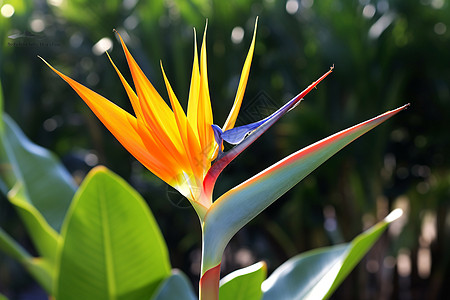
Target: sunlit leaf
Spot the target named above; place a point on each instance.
(316, 274)
(243, 284)
(111, 244)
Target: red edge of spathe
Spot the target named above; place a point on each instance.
(209, 284)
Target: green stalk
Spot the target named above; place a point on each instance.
(210, 271)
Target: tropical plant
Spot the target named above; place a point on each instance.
(108, 246)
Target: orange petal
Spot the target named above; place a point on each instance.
(131, 94)
(205, 117)
(190, 142)
(162, 154)
(157, 113)
(231, 120)
(194, 91)
(147, 135)
(123, 126)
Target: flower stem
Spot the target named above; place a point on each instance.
(209, 284)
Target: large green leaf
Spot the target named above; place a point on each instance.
(111, 247)
(176, 287)
(238, 206)
(316, 274)
(243, 284)
(47, 185)
(37, 185)
(40, 189)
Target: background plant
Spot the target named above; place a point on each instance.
(404, 63)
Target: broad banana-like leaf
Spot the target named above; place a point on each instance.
(242, 203)
(317, 273)
(47, 185)
(177, 286)
(40, 189)
(111, 245)
(243, 284)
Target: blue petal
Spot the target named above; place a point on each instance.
(238, 134)
(244, 136)
(217, 135)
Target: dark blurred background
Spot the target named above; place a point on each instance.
(386, 54)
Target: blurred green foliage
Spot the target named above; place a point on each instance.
(386, 53)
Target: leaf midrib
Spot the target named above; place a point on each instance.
(107, 244)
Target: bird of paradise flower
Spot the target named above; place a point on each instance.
(186, 149)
